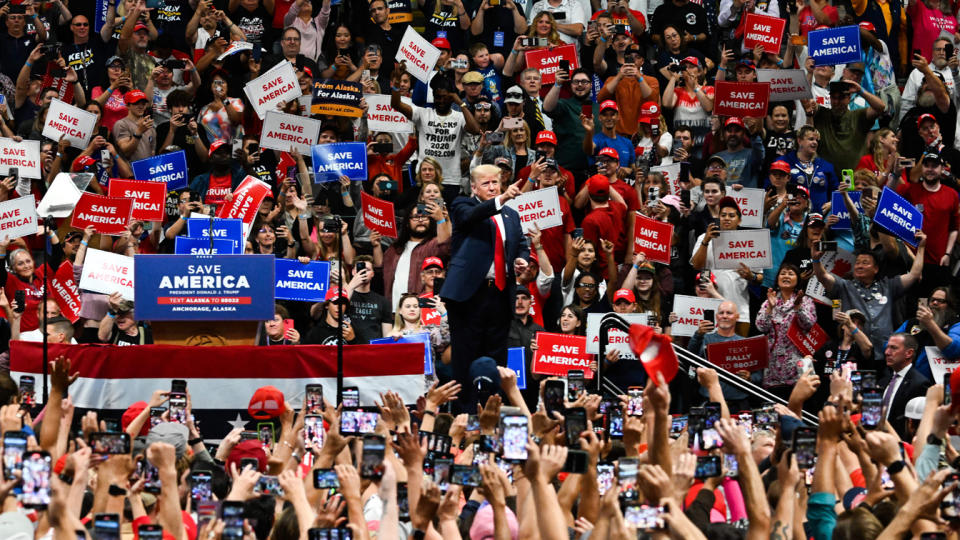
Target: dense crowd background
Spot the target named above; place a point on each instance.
(477, 456)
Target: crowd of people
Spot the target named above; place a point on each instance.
(626, 130)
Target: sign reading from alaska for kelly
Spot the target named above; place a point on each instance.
(559, 353)
(278, 84)
(741, 99)
(148, 197)
(750, 247)
(108, 215)
(652, 237)
(749, 354)
(540, 207)
(336, 98)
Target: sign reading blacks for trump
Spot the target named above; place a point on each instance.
(204, 287)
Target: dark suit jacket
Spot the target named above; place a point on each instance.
(914, 384)
(530, 116)
(472, 246)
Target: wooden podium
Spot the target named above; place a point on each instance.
(205, 333)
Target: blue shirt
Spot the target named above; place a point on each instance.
(821, 181)
(783, 238)
(621, 144)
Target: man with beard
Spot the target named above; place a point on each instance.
(938, 61)
(441, 128)
(419, 239)
(936, 325)
(843, 130)
(567, 122)
(933, 100)
(523, 329)
(743, 164)
(940, 206)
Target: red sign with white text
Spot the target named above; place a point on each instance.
(652, 238)
(749, 354)
(148, 197)
(807, 341)
(108, 215)
(547, 61)
(245, 200)
(378, 215)
(741, 99)
(763, 30)
(559, 353)
(429, 315)
(65, 292)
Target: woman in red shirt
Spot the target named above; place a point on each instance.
(883, 157)
(24, 276)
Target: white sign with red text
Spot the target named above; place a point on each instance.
(751, 248)
(18, 217)
(616, 339)
(149, 198)
(940, 365)
(786, 84)
(284, 131)
(245, 200)
(24, 155)
(105, 272)
(671, 175)
(278, 84)
(418, 54)
(540, 207)
(689, 310)
(382, 117)
(837, 262)
(74, 123)
(750, 201)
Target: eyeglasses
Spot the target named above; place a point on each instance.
(581, 81)
(420, 217)
(587, 286)
(482, 106)
(291, 39)
(938, 300)
(715, 166)
(939, 49)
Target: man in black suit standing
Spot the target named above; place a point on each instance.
(486, 247)
(904, 383)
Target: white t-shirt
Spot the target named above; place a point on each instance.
(440, 139)
(401, 275)
(729, 283)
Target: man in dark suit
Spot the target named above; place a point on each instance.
(903, 383)
(481, 282)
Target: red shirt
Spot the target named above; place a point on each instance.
(554, 239)
(808, 22)
(941, 216)
(218, 189)
(569, 185)
(607, 223)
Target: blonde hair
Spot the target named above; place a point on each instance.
(554, 36)
(398, 322)
(436, 166)
(483, 170)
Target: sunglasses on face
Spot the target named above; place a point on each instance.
(587, 286)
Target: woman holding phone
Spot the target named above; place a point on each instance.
(279, 330)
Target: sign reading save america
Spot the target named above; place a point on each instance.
(148, 197)
(689, 310)
(540, 207)
(786, 84)
(24, 155)
(378, 215)
(170, 169)
(246, 200)
(108, 215)
(278, 84)
(763, 30)
(65, 120)
(18, 217)
(750, 247)
(418, 54)
(105, 272)
(333, 160)
(652, 237)
(833, 46)
(285, 131)
(303, 282)
(547, 61)
(741, 99)
(559, 353)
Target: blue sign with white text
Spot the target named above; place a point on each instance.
(223, 229)
(516, 360)
(833, 46)
(898, 216)
(302, 282)
(333, 160)
(422, 337)
(201, 246)
(839, 208)
(170, 168)
(203, 287)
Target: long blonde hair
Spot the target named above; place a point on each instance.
(436, 166)
(876, 148)
(554, 36)
(398, 322)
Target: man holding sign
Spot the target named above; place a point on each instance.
(724, 329)
(841, 130)
(874, 297)
(441, 128)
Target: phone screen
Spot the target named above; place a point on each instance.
(635, 403)
(872, 408)
(106, 526)
(604, 477)
(313, 432)
(441, 473)
(553, 393)
(627, 476)
(36, 480)
(615, 423)
(371, 461)
(515, 438)
(575, 384)
(575, 423)
(707, 466)
(313, 399)
(28, 395)
(232, 515)
(805, 447)
(200, 489)
(351, 396)
(178, 408)
(14, 446)
(325, 479)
